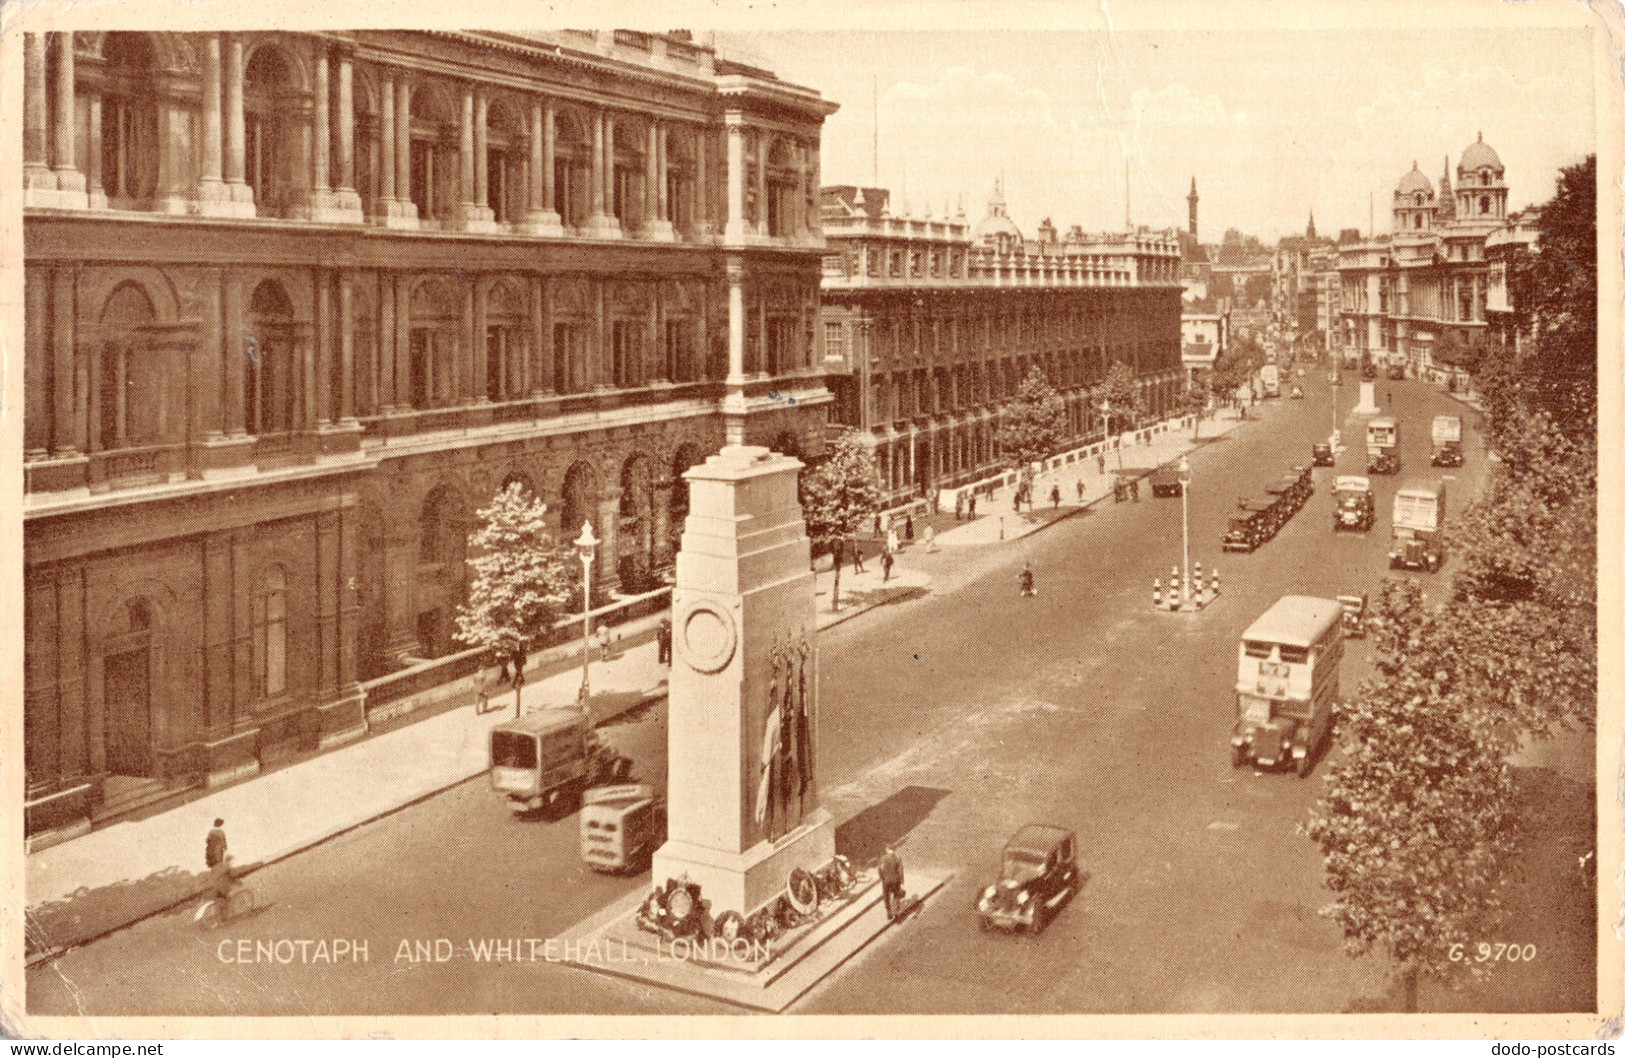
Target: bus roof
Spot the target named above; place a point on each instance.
(1382, 422)
(544, 721)
(1295, 621)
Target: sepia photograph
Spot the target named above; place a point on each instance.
(921, 513)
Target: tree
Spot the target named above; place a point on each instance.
(1417, 821)
(1031, 424)
(1122, 396)
(838, 496)
(1194, 401)
(1555, 302)
(521, 575)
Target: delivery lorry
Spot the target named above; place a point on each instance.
(1270, 377)
(1418, 527)
(1447, 441)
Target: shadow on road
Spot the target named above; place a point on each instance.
(865, 836)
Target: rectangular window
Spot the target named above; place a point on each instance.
(834, 341)
(422, 353)
(562, 357)
(621, 352)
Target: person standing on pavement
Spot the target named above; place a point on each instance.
(930, 538)
(1100, 462)
(857, 556)
(1055, 496)
(972, 508)
(959, 506)
(603, 642)
(886, 561)
(214, 846)
(891, 882)
(1080, 490)
(891, 541)
(908, 526)
(663, 642)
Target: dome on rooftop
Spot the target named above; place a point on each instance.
(1413, 182)
(1478, 156)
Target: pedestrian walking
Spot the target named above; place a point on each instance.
(214, 846)
(973, 505)
(857, 557)
(1027, 589)
(663, 642)
(1055, 496)
(959, 506)
(482, 699)
(877, 525)
(502, 673)
(603, 642)
(891, 882)
(886, 561)
(1080, 490)
(1100, 462)
(930, 538)
(908, 526)
(1016, 500)
(1134, 489)
(891, 541)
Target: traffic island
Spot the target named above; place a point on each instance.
(1203, 592)
(766, 975)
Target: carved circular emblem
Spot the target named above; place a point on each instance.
(708, 637)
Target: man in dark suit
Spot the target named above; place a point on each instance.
(891, 882)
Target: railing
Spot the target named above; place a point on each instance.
(133, 466)
(424, 675)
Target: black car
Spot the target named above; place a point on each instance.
(1038, 873)
(1165, 481)
(1323, 455)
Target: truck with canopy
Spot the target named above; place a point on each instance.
(1447, 441)
(1418, 527)
(1382, 446)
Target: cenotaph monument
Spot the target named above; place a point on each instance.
(1368, 399)
(742, 774)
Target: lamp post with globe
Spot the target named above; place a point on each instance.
(586, 547)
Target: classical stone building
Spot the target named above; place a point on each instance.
(930, 325)
(299, 304)
(1430, 275)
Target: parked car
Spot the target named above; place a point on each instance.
(1038, 873)
(1323, 455)
(1353, 508)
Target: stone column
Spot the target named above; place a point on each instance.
(403, 343)
(541, 376)
(762, 224)
(465, 158)
(212, 191)
(93, 156)
(403, 212)
(603, 224)
(321, 139)
(346, 329)
(231, 301)
(62, 373)
(735, 232)
(345, 196)
(68, 177)
(540, 217)
(798, 209)
(37, 173)
(815, 221)
(383, 395)
(549, 160)
(482, 155)
(655, 224)
(236, 132)
(702, 198)
(479, 354)
(36, 365)
(596, 218)
(384, 190)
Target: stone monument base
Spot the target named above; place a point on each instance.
(1368, 399)
(759, 975)
(744, 881)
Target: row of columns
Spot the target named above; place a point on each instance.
(53, 178)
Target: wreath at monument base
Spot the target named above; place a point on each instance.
(677, 909)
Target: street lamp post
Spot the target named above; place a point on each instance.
(586, 547)
(1185, 523)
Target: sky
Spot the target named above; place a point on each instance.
(1272, 124)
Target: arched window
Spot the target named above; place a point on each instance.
(1418, 218)
(1483, 203)
(572, 151)
(268, 378)
(129, 146)
(129, 393)
(505, 163)
(271, 634)
(271, 136)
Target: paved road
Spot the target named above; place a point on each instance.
(948, 720)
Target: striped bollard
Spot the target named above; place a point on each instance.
(1214, 581)
(1197, 594)
(1156, 593)
(1173, 589)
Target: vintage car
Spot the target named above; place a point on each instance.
(1354, 615)
(1297, 392)
(1354, 509)
(1165, 481)
(1038, 873)
(1250, 524)
(1323, 455)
